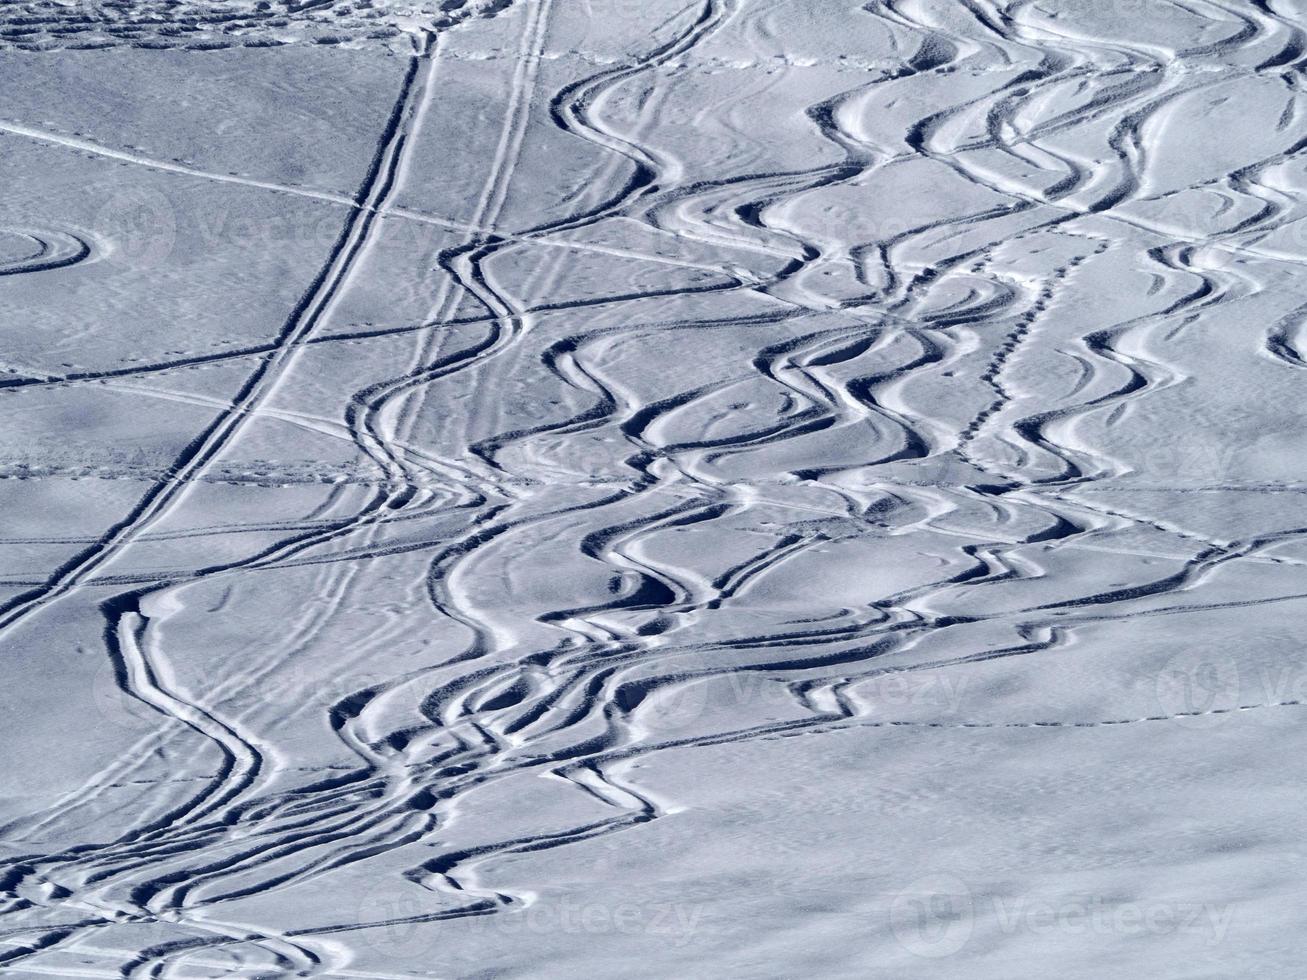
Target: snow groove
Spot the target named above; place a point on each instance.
(716, 406)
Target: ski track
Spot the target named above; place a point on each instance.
(855, 331)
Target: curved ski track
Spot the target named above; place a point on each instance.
(571, 688)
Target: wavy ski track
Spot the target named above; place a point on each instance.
(503, 707)
(126, 635)
(303, 321)
(173, 816)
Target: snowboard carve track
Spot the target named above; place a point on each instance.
(946, 381)
(302, 323)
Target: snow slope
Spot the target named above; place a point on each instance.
(747, 488)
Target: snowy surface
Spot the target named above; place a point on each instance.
(588, 488)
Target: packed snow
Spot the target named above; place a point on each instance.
(582, 488)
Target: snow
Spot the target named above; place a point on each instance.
(745, 488)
